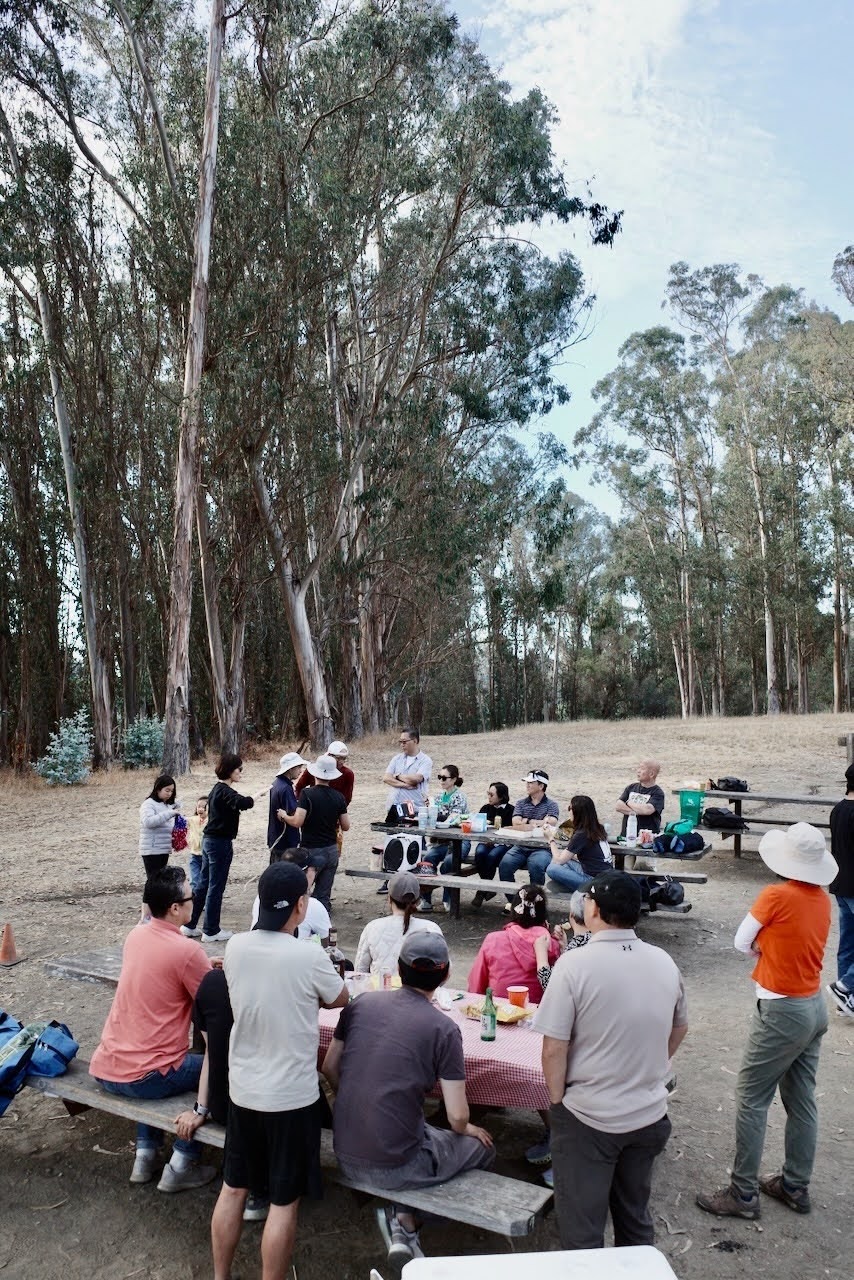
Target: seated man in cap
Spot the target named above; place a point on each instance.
(283, 801)
(320, 812)
(400, 1043)
(272, 1143)
(531, 811)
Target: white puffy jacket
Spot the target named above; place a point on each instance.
(156, 821)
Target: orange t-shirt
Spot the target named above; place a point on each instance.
(148, 1026)
(795, 919)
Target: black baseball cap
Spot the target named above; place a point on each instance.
(279, 890)
(616, 894)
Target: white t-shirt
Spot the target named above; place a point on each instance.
(316, 919)
(379, 945)
(276, 987)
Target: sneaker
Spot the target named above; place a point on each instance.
(195, 1175)
(540, 1152)
(548, 1178)
(144, 1164)
(255, 1209)
(405, 1245)
(508, 907)
(424, 904)
(797, 1198)
(383, 887)
(727, 1203)
(443, 906)
(190, 933)
(843, 997)
(222, 936)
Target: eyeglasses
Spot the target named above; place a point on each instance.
(181, 901)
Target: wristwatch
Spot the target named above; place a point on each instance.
(199, 1110)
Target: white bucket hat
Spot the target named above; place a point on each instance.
(324, 767)
(337, 748)
(800, 853)
(290, 760)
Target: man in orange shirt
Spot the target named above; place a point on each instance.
(143, 1048)
(786, 929)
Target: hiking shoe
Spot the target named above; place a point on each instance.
(843, 997)
(479, 898)
(443, 906)
(548, 1178)
(540, 1152)
(222, 936)
(383, 887)
(190, 933)
(424, 904)
(255, 1209)
(144, 1164)
(405, 1245)
(796, 1198)
(195, 1175)
(727, 1203)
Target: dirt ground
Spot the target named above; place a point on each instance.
(70, 881)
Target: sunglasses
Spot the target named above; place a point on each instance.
(444, 777)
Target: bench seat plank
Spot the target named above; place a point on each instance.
(491, 1201)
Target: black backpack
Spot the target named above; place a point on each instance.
(666, 893)
(723, 820)
(728, 784)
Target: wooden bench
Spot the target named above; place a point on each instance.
(457, 883)
(491, 1201)
(737, 798)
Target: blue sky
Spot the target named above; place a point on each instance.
(722, 128)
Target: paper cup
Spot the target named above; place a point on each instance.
(518, 996)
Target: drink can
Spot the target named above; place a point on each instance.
(498, 822)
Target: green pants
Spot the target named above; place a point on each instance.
(782, 1050)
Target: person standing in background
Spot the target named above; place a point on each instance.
(196, 824)
(344, 785)
(283, 802)
(225, 806)
(842, 888)
(320, 812)
(408, 775)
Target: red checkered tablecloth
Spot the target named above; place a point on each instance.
(504, 1072)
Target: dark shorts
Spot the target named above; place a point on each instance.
(442, 1156)
(275, 1154)
(154, 862)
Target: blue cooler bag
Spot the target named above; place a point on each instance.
(54, 1049)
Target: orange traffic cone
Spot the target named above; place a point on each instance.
(8, 950)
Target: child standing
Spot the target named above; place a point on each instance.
(195, 827)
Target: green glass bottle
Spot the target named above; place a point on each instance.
(488, 1017)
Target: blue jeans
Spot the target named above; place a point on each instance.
(446, 854)
(325, 863)
(487, 858)
(207, 896)
(194, 865)
(569, 875)
(536, 861)
(161, 1084)
(845, 954)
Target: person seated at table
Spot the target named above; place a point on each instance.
(143, 1048)
(379, 945)
(587, 855)
(388, 1050)
(455, 801)
(506, 957)
(644, 798)
(533, 811)
(317, 922)
(487, 856)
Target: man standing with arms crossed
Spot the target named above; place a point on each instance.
(612, 1016)
(408, 775)
(272, 1142)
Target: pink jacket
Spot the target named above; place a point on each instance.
(506, 959)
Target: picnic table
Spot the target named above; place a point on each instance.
(737, 798)
(504, 1072)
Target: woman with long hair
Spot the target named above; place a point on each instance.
(453, 800)
(506, 957)
(379, 945)
(587, 855)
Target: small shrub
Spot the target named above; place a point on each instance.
(144, 743)
(69, 750)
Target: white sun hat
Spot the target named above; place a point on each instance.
(290, 760)
(324, 767)
(800, 853)
(337, 748)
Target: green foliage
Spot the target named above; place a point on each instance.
(143, 746)
(69, 750)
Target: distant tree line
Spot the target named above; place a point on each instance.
(310, 415)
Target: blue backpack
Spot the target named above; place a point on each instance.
(40, 1049)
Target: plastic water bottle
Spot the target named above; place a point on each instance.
(632, 830)
(432, 814)
(488, 1018)
(422, 817)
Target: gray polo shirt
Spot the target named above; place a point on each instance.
(616, 1001)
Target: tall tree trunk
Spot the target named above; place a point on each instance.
(176, 739)
(226, 686)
